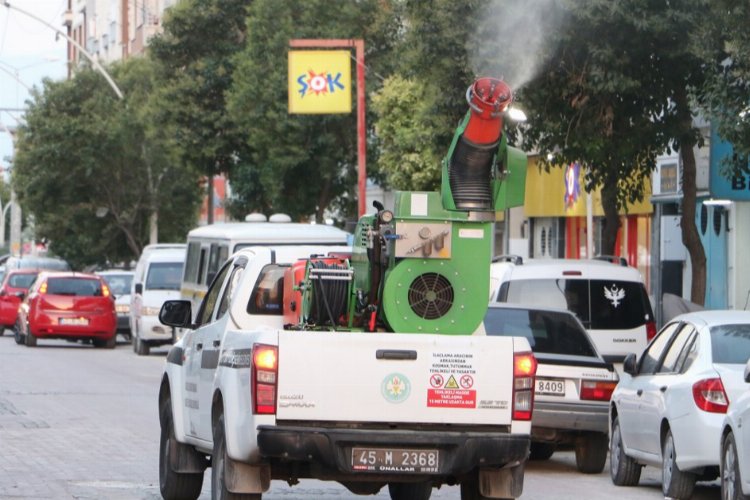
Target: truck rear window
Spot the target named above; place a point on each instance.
(268, 295)
(599, 304)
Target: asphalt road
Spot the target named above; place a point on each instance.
(81, 423)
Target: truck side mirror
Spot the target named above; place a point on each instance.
(629, 366)
(747, 372)
(176, 313)
(139, 288)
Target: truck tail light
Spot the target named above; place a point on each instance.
(594, 390)
(265, 370)
(524, 370)
(650, 330)
(709, 395)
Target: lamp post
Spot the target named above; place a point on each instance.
(83, 51)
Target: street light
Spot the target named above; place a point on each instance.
(83, 51)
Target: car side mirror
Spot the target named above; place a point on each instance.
(176, 313)
(139, 288)
(629, 365)
(747, 372)
(21, 295)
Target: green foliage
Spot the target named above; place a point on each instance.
(299, 164)
(91, 168)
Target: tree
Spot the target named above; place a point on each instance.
(616, 109)
(82, 164)
(299, 164)
(195, 53)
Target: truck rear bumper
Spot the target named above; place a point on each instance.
(460, 452)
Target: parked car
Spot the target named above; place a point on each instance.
(735, 446)
(38, 263)
(573, 382)
(668, 409)
(68, 305)
(120, 282)
(17, 281)
(609, 299)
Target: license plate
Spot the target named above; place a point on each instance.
(387, 460)
(550, 386)
(74, 321)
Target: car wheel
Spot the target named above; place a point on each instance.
(541, 451)
(731, 484)
(17, 335)
(140, 347)
(591, 452)
(174, 485)
(30, 340)
(218, 479)
(410, 491)
(623, 469)
(674, 482)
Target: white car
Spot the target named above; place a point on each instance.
(669, 407)
(609, 299)
(573, 382)
(735, 446)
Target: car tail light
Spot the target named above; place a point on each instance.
(650, 330)
(524, 369)
(105, 290)
(595, 390)
(709, 395)
(43, 288)
(265, 369)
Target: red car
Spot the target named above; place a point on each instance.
(15, 282)
(68, 305)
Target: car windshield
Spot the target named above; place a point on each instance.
(599, 304)
(119, 284)
(21, 280)
(730, 343)
(164, 276)
(80, 287)
(547, 331)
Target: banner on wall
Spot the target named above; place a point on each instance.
(320, 81)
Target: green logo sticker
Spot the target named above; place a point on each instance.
(395, 388)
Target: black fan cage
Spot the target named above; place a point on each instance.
(430, 296)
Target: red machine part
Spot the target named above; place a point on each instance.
(295, 275)
(488, 99)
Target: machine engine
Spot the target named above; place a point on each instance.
(423, 267)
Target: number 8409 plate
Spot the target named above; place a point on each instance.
(395, 460)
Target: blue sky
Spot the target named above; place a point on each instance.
(28, 54)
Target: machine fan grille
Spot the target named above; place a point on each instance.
(430, 296)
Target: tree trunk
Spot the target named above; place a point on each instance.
(690, 236)
(611, 218)
(153, 227)
(210, 199)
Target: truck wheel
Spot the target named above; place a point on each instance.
(218, 485)
(174, 485)
(541, 451)
(623, 470)
(410, 491)
(591, 453)
(30, 340)
(674, 482)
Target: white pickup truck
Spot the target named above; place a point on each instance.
(256, 402)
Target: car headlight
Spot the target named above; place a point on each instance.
(122, 308)
(150, 311)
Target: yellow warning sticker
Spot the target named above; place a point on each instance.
(451, 383)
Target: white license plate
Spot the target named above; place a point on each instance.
(550, 386)
(74, 321)
(389, 460)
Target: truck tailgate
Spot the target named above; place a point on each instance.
(400, 378)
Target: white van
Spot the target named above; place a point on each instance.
(208, 247)
(156, 279)
(609, 299)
